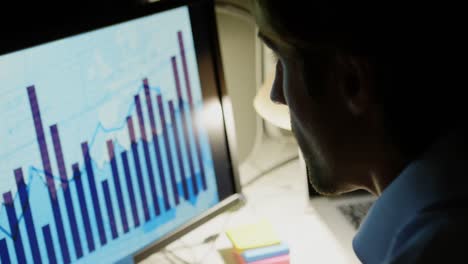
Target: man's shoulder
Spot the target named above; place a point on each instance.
(433, 236)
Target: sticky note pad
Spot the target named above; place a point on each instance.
(252, 255)
(282, 259)
(260, 234)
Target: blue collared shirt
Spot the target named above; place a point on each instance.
(421, 216)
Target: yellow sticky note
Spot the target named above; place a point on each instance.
(259, 234)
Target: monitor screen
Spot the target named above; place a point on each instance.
(114, 137)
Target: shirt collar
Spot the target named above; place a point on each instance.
(431, 178)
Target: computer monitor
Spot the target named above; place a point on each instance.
(116, 136)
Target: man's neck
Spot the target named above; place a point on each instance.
(386, 169)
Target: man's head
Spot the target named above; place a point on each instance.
(360, 88)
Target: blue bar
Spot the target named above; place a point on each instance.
(185, 67)
(60, 231)
(136, 159)
(192, 108)
(149, 167)
(28, 219)
(188, 146)
(178, 150)
(14, 227)
(131, 194)
(4, 254)
(83, 207)
(110, 209)
(118, 188)
(167, 204)
(41, 141)
(66, 190)
(49, 244)
(94, 195)
(162, 178)
(185, 121)
(162, 116)
(36, 114)
(252, 255)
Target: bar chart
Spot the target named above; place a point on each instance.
(66, 210)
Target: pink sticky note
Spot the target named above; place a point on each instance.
(283, 259)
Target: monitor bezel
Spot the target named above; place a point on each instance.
(39, 34)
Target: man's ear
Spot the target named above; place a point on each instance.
(357, 84)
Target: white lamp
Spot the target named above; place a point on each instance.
(274, 113)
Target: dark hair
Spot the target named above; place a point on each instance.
(413, 54)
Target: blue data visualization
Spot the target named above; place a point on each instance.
(102, 145)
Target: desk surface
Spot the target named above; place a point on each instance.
(279, 196)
